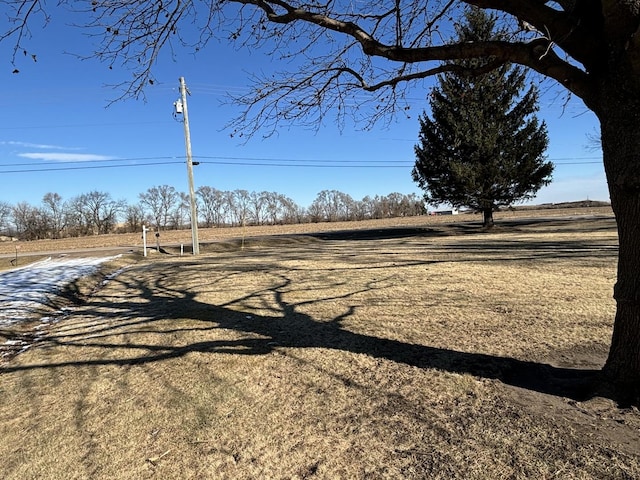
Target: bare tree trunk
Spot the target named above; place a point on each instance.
(621, 154)
(487, 217)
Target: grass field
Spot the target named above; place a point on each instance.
(409, 351)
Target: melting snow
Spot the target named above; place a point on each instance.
(24, 289)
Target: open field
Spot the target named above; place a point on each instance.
(206, 235)
(416, 350)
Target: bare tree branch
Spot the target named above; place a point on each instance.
(537, 53)
(19, 15)
(378, 47)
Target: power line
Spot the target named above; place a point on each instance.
(576, 163)
(228, 160)
(104, 160)
(576, 158)
(243, 161)
(90, 167)
(307, 165)
(110, 124)
(219, 160)
(298, 160)
(256, 164)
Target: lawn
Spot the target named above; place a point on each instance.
(424, 350)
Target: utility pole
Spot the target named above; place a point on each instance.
(182, 108)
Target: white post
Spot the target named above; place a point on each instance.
(144, 240)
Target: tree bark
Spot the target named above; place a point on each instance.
(487, 217)
(620, 121)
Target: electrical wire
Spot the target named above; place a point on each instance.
(296, 160)
(241, 161)
(317, 165)
(83, 125)
(23, 164)
(90, 167)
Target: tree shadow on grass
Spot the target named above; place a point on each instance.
(287, 328)
(482, 245)
(570, 225)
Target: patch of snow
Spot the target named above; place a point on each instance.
(24, 289)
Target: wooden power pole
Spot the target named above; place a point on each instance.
(192, 194)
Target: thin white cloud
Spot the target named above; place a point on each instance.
(64, 157)
(42, 146)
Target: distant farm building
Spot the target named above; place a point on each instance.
(453, 211)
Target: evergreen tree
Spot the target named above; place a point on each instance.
(483, 147)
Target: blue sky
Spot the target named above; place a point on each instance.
(57, 114)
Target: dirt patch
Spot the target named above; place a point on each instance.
(421, 353)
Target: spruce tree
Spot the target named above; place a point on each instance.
(484, 147)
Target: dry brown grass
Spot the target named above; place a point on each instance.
(176, 237)
(427, 351)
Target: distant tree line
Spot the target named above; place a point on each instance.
(164, 208)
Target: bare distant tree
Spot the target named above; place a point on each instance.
(230, 206)
(161, 202)
(273, 207)
(134, 218)
(258, 203)
(413, 205)
(323, 207)
(332, 206)
(54, 210)
(291, 212)
(315, 212)
(213, 206)
(30, 222)
(99, 211)
(76, 218)
(182, 211)
(239, 203)
(5, 216)
(368, 207)
(357, 213)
